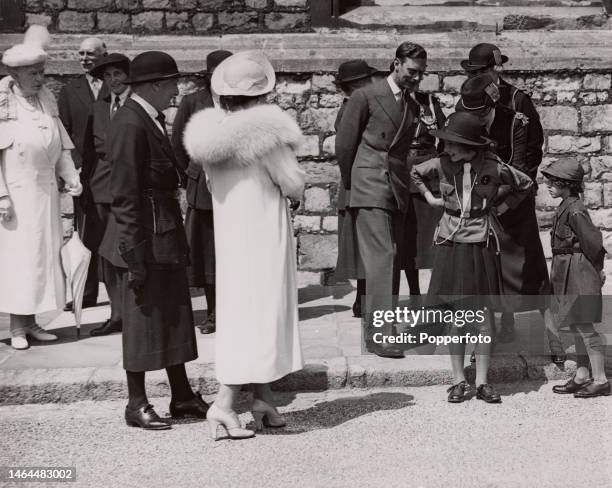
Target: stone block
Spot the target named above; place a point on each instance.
(317, 200)
(329, 100)
(256, 4)
(559, 118)
(596, 118)
(285, 21)
(430, 83)
(308, 278)
(607, 244)
(453, 83)
(293, 87)
(568, 144)
(544, 200)
(90, 5)
(234, 20)
(330, 224)
(593, 81)
(307, 223)
(38, 19)
(130, 5)
(70, 21)
(593, 194)
(546, 245)
(113, 21)
(148, 21)
(566, 96)
(320, 173)
(54, 4)
(317, 251)
(607, 142)
(290, 3)
(177, 21)
(156, 4)
(602, 218)
(593, 98)
(318, 119)
(545, 217)
(601, 166)
(324, 83)
(33, 5)
(329, 146)
(211, 5)
(559, 84)
(310, 146)
(607, 194)
(203, 22)
(185, 4)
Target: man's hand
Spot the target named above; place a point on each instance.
(6, 209)
(136, 279)
(433, 201)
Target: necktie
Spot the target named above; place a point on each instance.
(161, 118)
(115, 106)
(467, 188)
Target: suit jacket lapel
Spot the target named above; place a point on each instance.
(387, 101)
(84, 92)
(152, 126)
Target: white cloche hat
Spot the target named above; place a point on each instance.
(30, 51)
(247, 73)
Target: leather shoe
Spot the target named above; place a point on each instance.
(87, 303)
(558, 359)
(196, 407)
(594, 390)
(571, 387)
(385, 351)
(456, 393)
(210, 325)
(107, 328)
(488, 394)
(145, 418)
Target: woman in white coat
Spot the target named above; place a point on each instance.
(248, 156)
(34, 154)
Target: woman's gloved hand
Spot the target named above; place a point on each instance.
(6, 209)
(73, 188)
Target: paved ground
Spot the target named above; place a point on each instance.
(404, 437)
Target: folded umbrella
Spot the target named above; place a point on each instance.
(75, 262)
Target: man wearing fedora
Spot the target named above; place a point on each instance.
(199, 218)
(145, 241)
(114, 70)
(74, 103)
(372, 144)
(352, 75)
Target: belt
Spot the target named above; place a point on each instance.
(474, 212)
(566, 250)
(161, 194)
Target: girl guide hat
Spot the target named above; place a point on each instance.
(247, 73)
(30, 51)
(464, 128)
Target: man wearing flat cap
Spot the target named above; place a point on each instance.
(199, 218)
(145, 241)
(114, 70)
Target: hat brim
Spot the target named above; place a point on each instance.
(459, 107)
(451, 136)
(467, 66)
(362, 76)
(548, 174)
(98, 71)
(151, 78)
(221, 88)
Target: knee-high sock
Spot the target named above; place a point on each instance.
(137, 396)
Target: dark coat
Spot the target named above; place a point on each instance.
(95, 173)
(74, 104)
(370, 150)
(198, 196)
(146, 217)
(578, 255)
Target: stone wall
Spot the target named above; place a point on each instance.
(208, 17)
(576, 112)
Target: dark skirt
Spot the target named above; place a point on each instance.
(349, 265)
(465, 275)
(427, 219)
(200, 231)
(158, 328)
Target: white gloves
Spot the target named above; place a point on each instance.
(73, 188)
(6, 209)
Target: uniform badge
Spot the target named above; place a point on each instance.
(493, 91)
(522, 117)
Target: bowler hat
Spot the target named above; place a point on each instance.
(483, 55)
(479, 93)
(214, 59)
(464, 128)
(565, 169)
(353, 70)
(152, 66)
(114, 59)
(247, 73)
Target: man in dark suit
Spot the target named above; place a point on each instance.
(199, 220)
(372, 144)
(114, 69)
(145, 241)
(75, 101)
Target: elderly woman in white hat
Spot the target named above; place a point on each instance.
(34, 155)
(247, 152)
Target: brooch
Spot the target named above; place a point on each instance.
(522, 117)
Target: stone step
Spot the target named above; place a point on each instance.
(485, 3)
(476, 18)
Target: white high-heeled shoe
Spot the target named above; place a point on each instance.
(19, 342)
(38, 333)
(229, 421)
(266, 415)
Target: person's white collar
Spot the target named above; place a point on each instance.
(397, 91)
(148, 108)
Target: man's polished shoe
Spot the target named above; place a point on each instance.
(210, 325)
(558, 359)
(488, 394)
(385, 351)
(456, 393)
(196, 407)
(145, 418)
(571, 387)
(87, 303)
(107, 328)
(593, 390)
